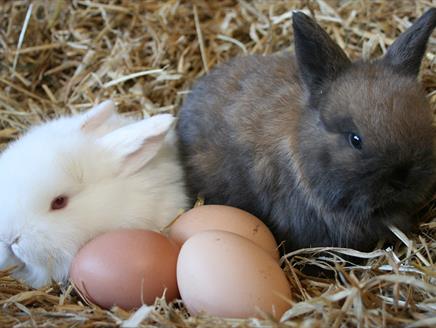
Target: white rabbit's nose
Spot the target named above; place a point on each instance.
(16, 240)
(9, 239)
(7, 257)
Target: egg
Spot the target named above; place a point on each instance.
(226, 218)
(126, 268)
(227, 275)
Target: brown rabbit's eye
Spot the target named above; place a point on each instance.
(355, 141)
(59, 203)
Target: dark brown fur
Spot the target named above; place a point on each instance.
(269, 135)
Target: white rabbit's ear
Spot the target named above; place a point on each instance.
(97, 116)
(136, 144)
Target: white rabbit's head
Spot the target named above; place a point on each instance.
(70, 179)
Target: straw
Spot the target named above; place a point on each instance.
(61, 57)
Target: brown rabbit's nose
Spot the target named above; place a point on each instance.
(400, 175)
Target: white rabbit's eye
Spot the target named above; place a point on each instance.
(59, 203)
(355, 141)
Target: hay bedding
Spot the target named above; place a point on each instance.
(59, 57)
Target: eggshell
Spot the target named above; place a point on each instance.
(226, 218)
(126, 268)
(224, 274)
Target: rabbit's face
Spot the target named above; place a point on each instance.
(374, 148)
(66, 181)
(49, 208)
(366, 138)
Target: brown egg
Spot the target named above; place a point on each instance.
(126, 268)
(226, 218)
(224, 274)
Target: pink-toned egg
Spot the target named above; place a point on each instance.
(226, 218)
(224, 274)
(126, 268)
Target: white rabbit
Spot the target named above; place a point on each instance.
(70, 179)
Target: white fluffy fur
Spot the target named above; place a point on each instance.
(114, 176)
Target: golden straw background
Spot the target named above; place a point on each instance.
(61, 57)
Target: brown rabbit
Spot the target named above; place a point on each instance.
(327, 152)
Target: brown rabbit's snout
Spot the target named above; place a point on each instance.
(406, 182)
(382, 183)
(400, 175)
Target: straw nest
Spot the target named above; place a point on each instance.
(60, 57)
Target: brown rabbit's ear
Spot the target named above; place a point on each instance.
(319, 58)
(406, 53)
